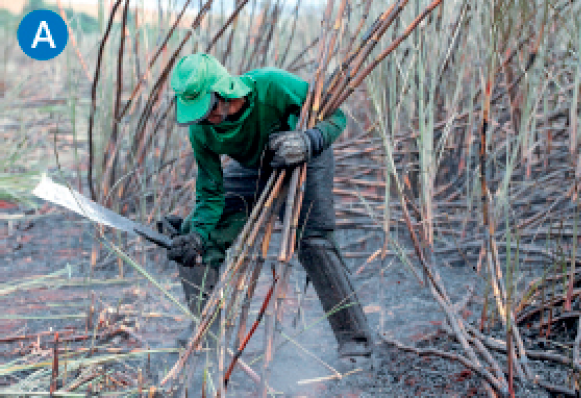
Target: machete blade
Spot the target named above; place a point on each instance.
(74, 201)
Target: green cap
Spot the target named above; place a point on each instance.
(195, 80)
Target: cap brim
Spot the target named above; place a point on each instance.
(194, 111)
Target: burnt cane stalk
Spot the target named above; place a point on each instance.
(94, 99)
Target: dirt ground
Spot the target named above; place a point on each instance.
(54, 241)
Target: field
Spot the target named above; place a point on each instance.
(455, 193)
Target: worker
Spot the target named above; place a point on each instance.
(251, 119)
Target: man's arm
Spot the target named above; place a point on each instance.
(209, 191)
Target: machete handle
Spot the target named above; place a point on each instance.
(165, 243)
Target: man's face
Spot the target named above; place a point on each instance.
(219, 112)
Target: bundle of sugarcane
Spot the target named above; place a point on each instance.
(243, 267)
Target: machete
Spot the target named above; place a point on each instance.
(72, 200)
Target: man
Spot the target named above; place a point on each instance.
(251, 119)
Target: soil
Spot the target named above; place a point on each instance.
(397, 307)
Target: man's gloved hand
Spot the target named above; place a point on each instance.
(292, 148)
(187, 249)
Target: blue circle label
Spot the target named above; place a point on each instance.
(42, 34)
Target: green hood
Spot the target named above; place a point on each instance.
(195, 80)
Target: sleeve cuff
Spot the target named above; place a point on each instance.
(317, 141)
(188, 227)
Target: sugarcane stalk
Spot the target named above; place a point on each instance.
(307, 104)
(291, 65)
(280, 296)
(263, 201)
(268, 343)
(55, 366)
(205, 8)
(297, 212)
(109, 172)
(359, 26)
(233, 304)
(269, 35)
(334, 104)
(231, 18)
(285, 52)
(93, 107)
(329, 45)
(338, 87)
(269, 212)
(243, 344)
(221, 346)
(290, 202)
(253, 280)
(256, 39)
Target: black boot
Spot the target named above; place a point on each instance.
(198, 283)
(328, 273)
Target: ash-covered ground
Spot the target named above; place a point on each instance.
(396, 304)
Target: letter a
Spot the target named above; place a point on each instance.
(48, 38)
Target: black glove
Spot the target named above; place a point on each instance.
(187, 249)
(292, 148)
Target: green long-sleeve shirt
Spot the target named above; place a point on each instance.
(276, 95)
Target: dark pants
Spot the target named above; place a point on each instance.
(243, 186)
